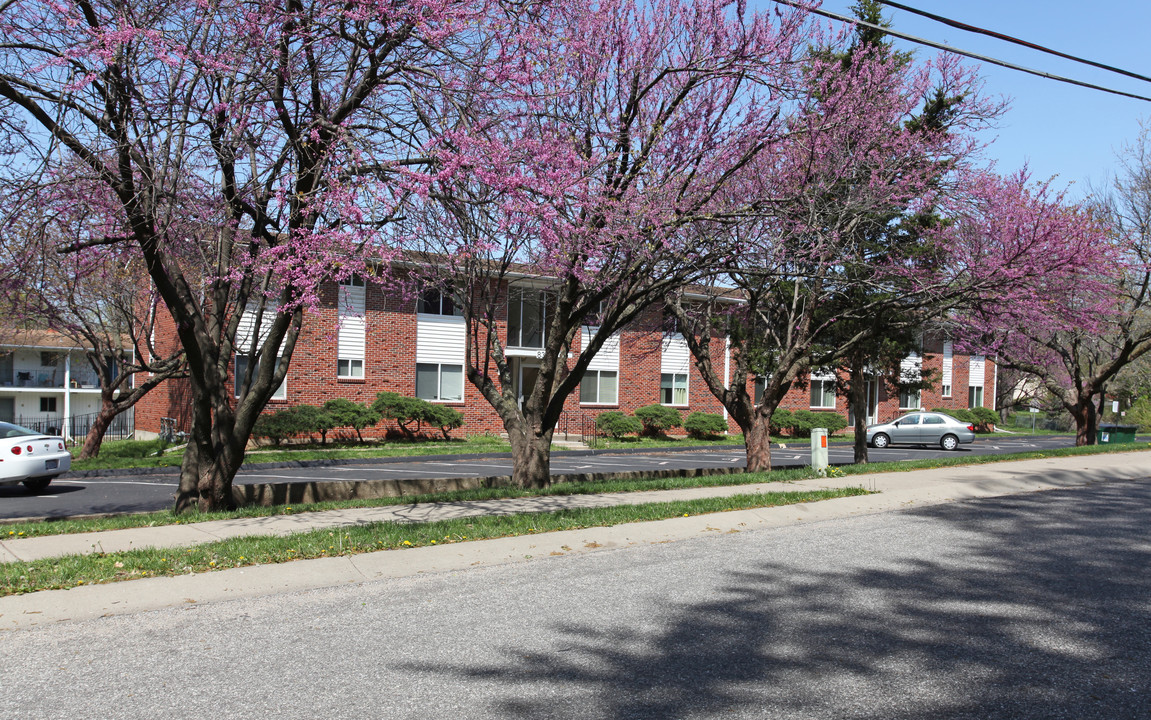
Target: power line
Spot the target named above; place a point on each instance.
(957, 51)
(1010, 39)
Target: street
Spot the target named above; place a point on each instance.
(1029, 606)
(142, 493)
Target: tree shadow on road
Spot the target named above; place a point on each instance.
(1037, 606)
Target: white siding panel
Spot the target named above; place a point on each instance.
(948, 362)
(247, 324)
(440, 339)
(351, 300)
(674, 356)
(978, 368)
(351, 341)
(608, 356)
(910, 368)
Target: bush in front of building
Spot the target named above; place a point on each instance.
(960, 414)
(658, 419)
(804, 421)
(616, 424)
(985, 419)
(311, 419)
(346, 413)
(412, 414)
(781, 421)
(704, 425)
(286, 423)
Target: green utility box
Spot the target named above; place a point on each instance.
(1110, 434)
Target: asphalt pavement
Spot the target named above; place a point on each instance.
(958, 593)
(136, 492)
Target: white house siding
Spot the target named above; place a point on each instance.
(244, 332)
(674, 355)
(440, 339)
(948, 363)
(978, 370)
(911, 367)
(608, 356)
(350, 344)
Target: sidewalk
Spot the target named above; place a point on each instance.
(896, 491)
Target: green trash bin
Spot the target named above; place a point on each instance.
(1110, 434)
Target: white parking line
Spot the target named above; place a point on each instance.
(109, 482)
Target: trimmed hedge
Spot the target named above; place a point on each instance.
(293, 421)
(408, 411)
(658, 419)
(704, 425)
(615, 424)
(346, 413)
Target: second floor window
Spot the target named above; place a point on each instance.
(434, 302)
(528, 317)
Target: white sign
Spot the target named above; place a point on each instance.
(1114, 406)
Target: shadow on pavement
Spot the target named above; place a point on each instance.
(1039, 609)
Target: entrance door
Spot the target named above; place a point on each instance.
(8, 409)
(872, 402)
(527, 381)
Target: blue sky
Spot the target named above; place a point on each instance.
(1056, 128)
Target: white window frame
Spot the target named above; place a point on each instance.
(918, 394)
(821, 378)
(354, 371)
(281, 393)
(948, 369)
(439, 397)
(423, 301)
(674, 387)
(516, 305)
(971, 391)
(598, 375)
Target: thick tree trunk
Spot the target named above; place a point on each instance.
(95, 436)
(213, 456)
(757, 440)
(859, 402)
(531, 458)
(1086, 422)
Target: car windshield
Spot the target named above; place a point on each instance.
(9, 430)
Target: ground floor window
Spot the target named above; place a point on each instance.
(348, 368)
(909, 399)
(673, 388)
(823, 393)
(599, 387)
(281, 392)
(48, 404)
(945, 391)
(437, 381)
(974, 397)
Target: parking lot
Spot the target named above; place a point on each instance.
(141, 493)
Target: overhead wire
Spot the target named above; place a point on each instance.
(957, 51)
(1008, 38)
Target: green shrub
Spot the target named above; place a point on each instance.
(781, 421)
(411, 414)
(658, 419)
(702, 425)
(615, 424)
(278, 426)
(804, 421)
(1140, 414)
(985, 418)
(310, 419)
(346, 413)
(960, 414)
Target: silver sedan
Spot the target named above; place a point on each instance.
(921, 428)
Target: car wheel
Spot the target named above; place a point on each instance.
(880, 441)
(37, 484)
(949, 442)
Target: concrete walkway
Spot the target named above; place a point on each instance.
(895, 491)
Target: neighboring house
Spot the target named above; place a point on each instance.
(46, 383)
(362, 341)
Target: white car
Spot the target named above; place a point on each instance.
(30, 457)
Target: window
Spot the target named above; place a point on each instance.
(673, 388)
(909, 420)
(946, 391)
(974, 397)
(281, 392)
(599, 387)
(47, 404)
(527, 317)
(909, 399)
(433, 302)
(948, 365)
(932, 420)
(441, 382)
(760, 386)
(823, 392)
(49, 359)
(350, 368)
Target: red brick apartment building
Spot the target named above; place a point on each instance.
(362, 341)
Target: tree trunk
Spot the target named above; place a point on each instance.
(859, 402)
(531, 458)
(757, 440)
(95, 436)
(1086, 422)
(213, 455)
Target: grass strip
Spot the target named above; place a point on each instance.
(13, 531)
(74, 570)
